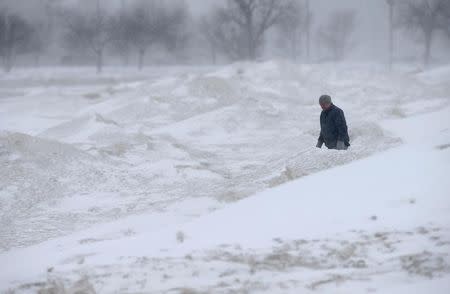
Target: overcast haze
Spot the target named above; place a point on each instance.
(224, 146)
(367, 42)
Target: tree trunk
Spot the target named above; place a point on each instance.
(8, 46)
(391, 34)
(8, 66)
(251, 41)
(213, 54)
(427, 53)
(8, 60)
(336, 53)
(141, 59)
(37, 58)
(293, 51)
(126, 58)
(308, 31)
(6, 69)
(294, 47)
(99, 62)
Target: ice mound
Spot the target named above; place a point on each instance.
(134, 111)
(223, 133)
(212, 87)
(36, 170)
(440, 75)
(81, 128)
(42, 151)
(366, 138)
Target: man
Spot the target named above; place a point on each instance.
(333, 127)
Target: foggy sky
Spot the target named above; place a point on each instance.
(369, 39)
(371, 34)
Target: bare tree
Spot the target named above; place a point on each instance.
(122, 34)
(222, 35)
(15, 34)
(38, 42)
(207, 27)
(176, 31)
(90, 30)
(51, 8)
(250, 19)
(391, 4)
(147, 24)
(225, 35)
(151, 22)
(308, 23)
(291, 27)
(336, 34)
(423, 16)
(444, 18)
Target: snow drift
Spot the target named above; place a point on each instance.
(96, 168)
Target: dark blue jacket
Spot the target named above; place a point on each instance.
(333, 127)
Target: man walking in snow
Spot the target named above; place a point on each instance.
(333, 127)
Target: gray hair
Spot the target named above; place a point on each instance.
(325, 99)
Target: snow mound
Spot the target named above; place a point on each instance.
(40, 151)
(212, 87)
(375, 223)
(35, 171)
(133, 142)
(367, 139)
(440, 75)
(82, 128)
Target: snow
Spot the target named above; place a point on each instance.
(349, 195)
(436, 76)
(207, 180)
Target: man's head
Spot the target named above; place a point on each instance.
(325, 102)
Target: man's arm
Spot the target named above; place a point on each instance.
(320, 141)
(341, 126)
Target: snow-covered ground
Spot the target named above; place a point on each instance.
(132, 183)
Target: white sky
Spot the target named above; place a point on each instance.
(370, 35)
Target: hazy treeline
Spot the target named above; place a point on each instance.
(85, 32)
